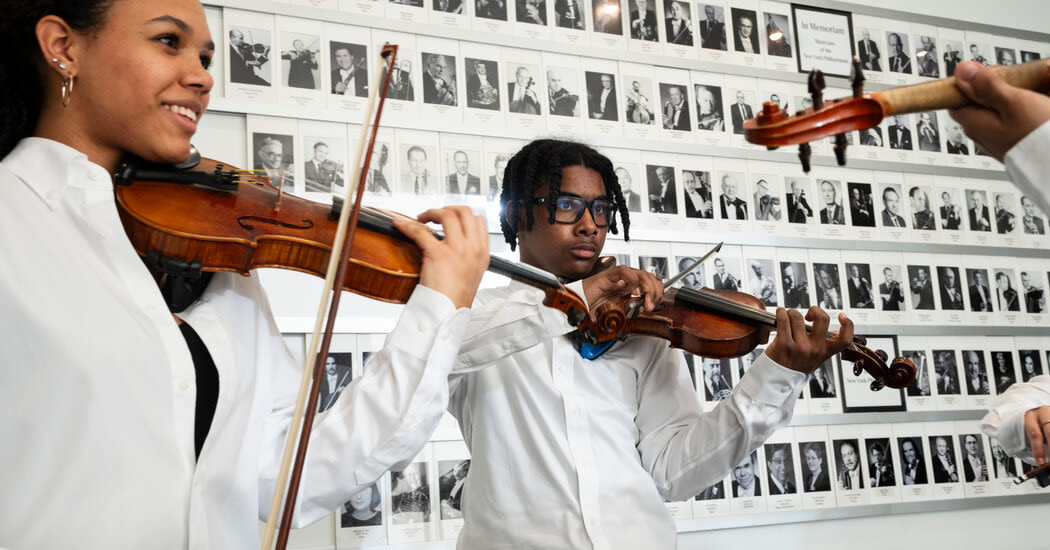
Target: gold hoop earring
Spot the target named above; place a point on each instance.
(67, 90)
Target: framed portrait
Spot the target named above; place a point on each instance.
(857, 395)
(824, 38)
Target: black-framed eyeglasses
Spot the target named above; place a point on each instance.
(570, 208)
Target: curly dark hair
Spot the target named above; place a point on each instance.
(541, 162)
(23, 66)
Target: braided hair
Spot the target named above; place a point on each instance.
(23, 68)
(541, 162)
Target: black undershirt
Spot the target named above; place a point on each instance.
(207, 386)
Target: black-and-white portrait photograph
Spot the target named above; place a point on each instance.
(1031, 364)
(881, 472)
(299, 68)
(709, 114)
(482, 84)
(950, 211)
(1032, 218)
(822, 380)
(1003, 370)
(663, 198)
(829, 289)
(897, 59)
(462, 169)
(410, 494)
(639, 101)
(495, 181)
(1003, 465)
(448, 6)
(337, 374)
(628, 188)
(946, 370)
(1034, 292)
(976, 372)
(831, 211)
(945, 468)
(868, 51)
(950, 288)
(745, 477)
(815, 476)
(921, 386)
(349, 69)
(1005, 56)
(1029, 56)
(926, 57)
(674, 107)
(861, 209)
(643, 20)
(778, 35)
(980, 293)
(760, 281)
(249, 56)
(413, 3)
(417, 171)
(695, 278)
(653, 264)
(730, 205)
(601, 96)
(678, 22)
(890, 213)
(955, 141)
(522, 89)
(274, 159)
(871, 137)
(899, 133)
(379, 177)
(712, 26)
(325, 167)
(952, 56)
(401, 87)
(714, 492)
(607, 18)
(767, 199)
(847, 464)
(568, 14)
(977, 204)
(745, 33)
(858, 286)
(452, 479)
(921, 285)
(780, 468)
(491, 9)
(563, 92)
(891, 295)
(928, 132)
(364, 509)
(717, 378)
(1006, 298)
(439, 79)
(1005, 216)
(979, 53)
(533, 12)
(727, 276)
(796, 284)
(741, 109)
(913, 463)
(798, 208)
(697, 187)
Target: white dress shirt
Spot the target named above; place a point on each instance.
(1005, 420)
(99, 388)
(577, 454)
(1029, 166)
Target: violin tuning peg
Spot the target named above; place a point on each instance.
(816, 88)
(856, 77)
(840, 149)
(858, 339)
(877, 384)
(857, 369)
(804, 154)
(882, 354)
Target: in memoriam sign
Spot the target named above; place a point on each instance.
(825, 39)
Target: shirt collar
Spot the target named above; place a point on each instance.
(49, 167)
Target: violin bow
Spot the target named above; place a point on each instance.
(775, 127)
(319, 344)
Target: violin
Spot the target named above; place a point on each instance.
(775, 127)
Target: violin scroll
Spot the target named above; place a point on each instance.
(899, 374)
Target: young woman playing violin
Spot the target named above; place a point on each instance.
(127, 428)
(576, 453)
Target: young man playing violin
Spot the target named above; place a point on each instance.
(576, 453)
(128, 428)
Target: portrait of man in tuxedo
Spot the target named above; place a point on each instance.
(798, 208)
(832, 213)
(899, 62)
(848, 465)
(858, 286)
(697, 187)
(956, 141)
(337, 368)
(663, 198)
(796, 285)
(913, 467)
(921, 215)
(900, 135)
(944, 468)
(1032, 221)
(322, 173)
(601, 96)
(499, 164)
(643, 21)
(946, 370)
(482, 84)
(1034, 297)
(563, 102)
(633, 199)
(976, 373)
(890, 290)
(980, 294)
(1005, 219)
(880, 464)
(952, 56)
(951, 291)
(568, 14)
(979, 216)
(450, 486)
(246, 64)
(1006, 296)
(921, 287)
(416, 178)
(868, 52)
(678, 24)
(461, 180)
(713, 28)
(745, 477)
(522, 97)
(675, 111)
(781, 469)
(350, 73)
(815, 475)
(951, 218)
(745, 35)
(741, 112)
(731, 206)
(822, 380)
(861, 210)
(929, 137)
(891, 206)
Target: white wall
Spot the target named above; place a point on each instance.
(1030, 15)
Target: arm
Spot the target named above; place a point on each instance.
(1016, 419)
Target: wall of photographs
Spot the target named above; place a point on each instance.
(920, 239)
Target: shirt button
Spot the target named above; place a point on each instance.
(506, 346)
(785, 389)
(184, 385)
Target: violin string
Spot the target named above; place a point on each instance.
(726, 305)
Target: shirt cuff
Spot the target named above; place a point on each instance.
(769, 382)
(429, 316)
(1027, 164)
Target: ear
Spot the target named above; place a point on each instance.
(59, 44)
(510, 213)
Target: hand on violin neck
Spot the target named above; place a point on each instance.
(454, 265)
(622, 281)
(803, 351)
(1036, 428)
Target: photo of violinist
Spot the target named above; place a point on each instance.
(439, 79)
(858, 286)
(323, 172)
(299, 68)
(482, 84)
(796, 284)
(861, 209)
(249, 56)
(349, 69)
(949, 213)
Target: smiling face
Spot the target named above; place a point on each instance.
(462, 162)
(272, 154)
(745, 27)
(744, 473)
(909, 451)
(813, 461)
(729, 187)
(676, 96)
(344, 59)
(891, 199)
(362, 499)
(777, 467)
